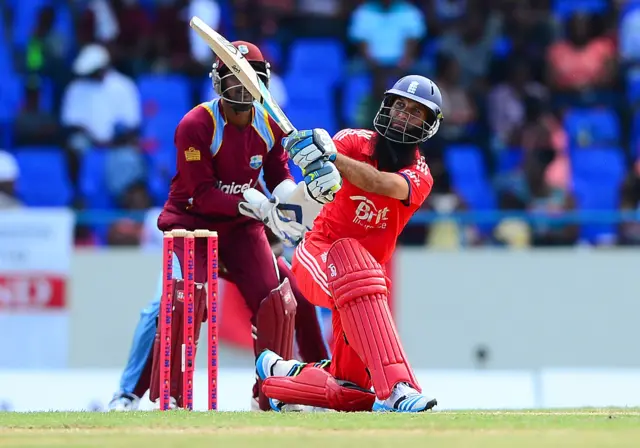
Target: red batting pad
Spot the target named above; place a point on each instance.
(316, 387)
(358, 285)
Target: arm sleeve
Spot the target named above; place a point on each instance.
(195, 165)
(420, 182)
(344, 141)
(276, 165)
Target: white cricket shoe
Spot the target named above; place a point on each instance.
(404, 398)
(124, 402)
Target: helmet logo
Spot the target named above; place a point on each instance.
(413, 87)
(243, 49)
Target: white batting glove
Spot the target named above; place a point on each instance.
(306, 147)
(257, 206)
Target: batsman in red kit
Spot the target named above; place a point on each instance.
(338, 264)
(222, 146)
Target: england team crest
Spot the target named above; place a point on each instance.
(255, 162)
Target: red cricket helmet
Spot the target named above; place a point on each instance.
(229, 87)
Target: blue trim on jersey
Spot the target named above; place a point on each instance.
(408, 201)
(218, 131)
(262, 125)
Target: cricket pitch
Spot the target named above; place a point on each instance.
(567, 428)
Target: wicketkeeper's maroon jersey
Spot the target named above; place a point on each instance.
(216, 163)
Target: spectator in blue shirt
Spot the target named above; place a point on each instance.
(387, 33)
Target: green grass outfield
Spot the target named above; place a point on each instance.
(568, 428)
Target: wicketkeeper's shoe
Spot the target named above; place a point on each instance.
(271, 364)
(124, 402)
(404, 398)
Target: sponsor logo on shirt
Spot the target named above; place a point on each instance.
(234, 188)
(368, 215)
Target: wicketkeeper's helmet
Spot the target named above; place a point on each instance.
(227, 85)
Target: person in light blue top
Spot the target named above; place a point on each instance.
(387, 33)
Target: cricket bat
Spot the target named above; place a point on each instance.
(241, 68)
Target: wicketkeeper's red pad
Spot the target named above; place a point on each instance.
(200, 308)
(314, 386)
(274, 328)
(358, 285)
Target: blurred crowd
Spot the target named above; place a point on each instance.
(540, 100)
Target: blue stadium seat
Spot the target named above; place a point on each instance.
(304, 116)
(320, 58)
(206, 92)
(598, 174)
(168, 93)
(310, 105)
(588, 128)
(356, 89)
(509, 159)
(165, 100)
(162, 168)
(465, 163)
(6, 59)
(502, 47)
(158, 132)
(430, 48)
(10, 96)
(44, 178)
(309, 91)
(635, 135)
(633, 85)
(92, 182)
(26, 16)
(468, 175)
(272, 51)
(6, 135)
(564, 8)
(227, 14)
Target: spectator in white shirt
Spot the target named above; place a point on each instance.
(101, 110)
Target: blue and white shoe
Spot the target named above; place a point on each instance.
(404, 398)
(271, 364)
